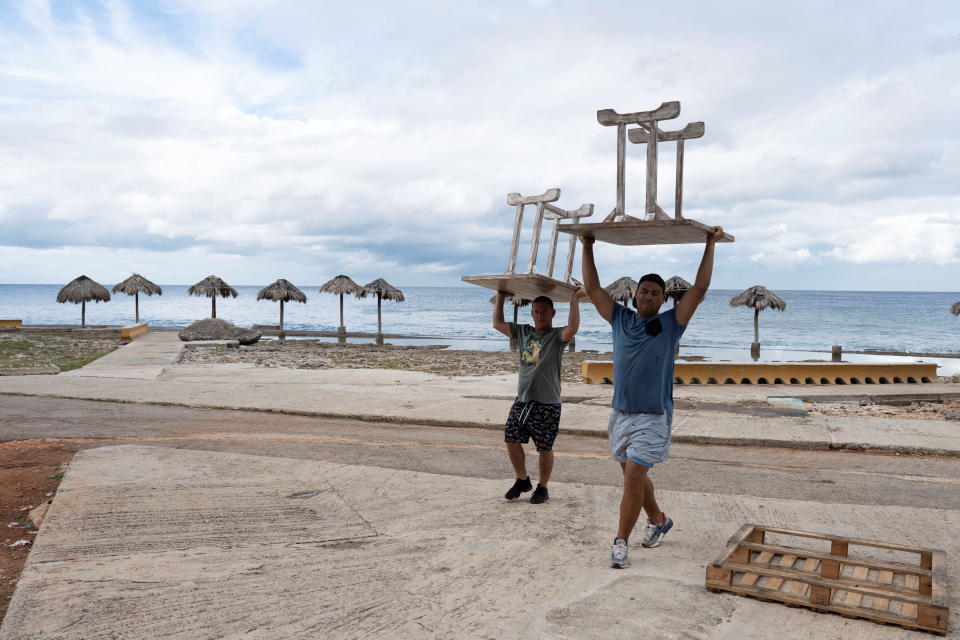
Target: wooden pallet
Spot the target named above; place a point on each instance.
(905, 594)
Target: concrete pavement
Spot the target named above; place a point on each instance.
(151, 542)
(144, 372)
(145, 542)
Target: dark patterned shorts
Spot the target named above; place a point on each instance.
(533, 419)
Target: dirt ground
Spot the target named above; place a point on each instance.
(310, 354)
(52, 349)
(30, 473)
(906, 411)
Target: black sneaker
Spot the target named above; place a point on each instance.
(540, 496)
(518, 487)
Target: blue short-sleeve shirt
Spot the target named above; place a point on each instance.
(643, 360)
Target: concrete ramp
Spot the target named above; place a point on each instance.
(145, 358)
(145, 542)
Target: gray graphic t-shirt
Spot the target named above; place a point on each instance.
(540, 355)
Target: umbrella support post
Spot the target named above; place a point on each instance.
(755, 350)
(380, 339)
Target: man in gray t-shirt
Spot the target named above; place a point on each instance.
(536, 411)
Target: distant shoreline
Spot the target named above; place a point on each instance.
(397, 336)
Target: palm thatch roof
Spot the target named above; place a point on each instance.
(282, 291)
(137, 284)
(621, 290)
(212, 286)
(517, 301)
(759, 298)
(381, 288)
(676, 287)
(83, 289)
(340, 285)
(955, 309)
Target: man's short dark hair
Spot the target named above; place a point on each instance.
(543, 299)
(652, 277)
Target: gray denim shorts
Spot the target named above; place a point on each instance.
(641, 437)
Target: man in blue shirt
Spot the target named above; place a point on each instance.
(640, 424)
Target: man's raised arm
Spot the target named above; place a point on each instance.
(573, 321)
(591, 281)
(498, 322)
(694, 295)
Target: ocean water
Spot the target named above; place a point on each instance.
(812, 322)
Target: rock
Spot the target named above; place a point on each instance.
(36, 514)
(217, 329)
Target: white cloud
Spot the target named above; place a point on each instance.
(382, 137)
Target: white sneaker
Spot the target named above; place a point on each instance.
(618, 554)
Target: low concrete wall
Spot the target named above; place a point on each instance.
(10, 324)
(133, 331)
(598, 372)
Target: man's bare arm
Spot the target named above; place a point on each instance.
(695, 294)
(498, 322)
(591, 281)
(573, 321)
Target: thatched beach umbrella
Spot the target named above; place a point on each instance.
(134, 286)
(339, 286)
(79, 291)
(282, 291)
(384, 291)
(517, 302)
(955, 309)
(675, 288)
(622, 290)
(759, 298)
(212, 286)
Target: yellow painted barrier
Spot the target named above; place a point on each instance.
(133, 331)
(11, 324)
(598, 372)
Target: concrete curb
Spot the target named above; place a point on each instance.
(810, 445)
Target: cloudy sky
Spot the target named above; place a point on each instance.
(257, 139)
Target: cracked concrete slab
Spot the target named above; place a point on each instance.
(147, 542)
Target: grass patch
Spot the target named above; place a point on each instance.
(66, 351)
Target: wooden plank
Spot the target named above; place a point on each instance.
(938, 595)
(909, 608)
(809, 566)
(528, 285)
(751, 578)
(842, 585)
(854, 598)
(550, 195)
(935, 617)
(666, 111)
(733, 542)
(883, 578)
(645, 232)
(875, 616)
(786, 562)
(692, 130)
(870, 563)
(854, 541)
